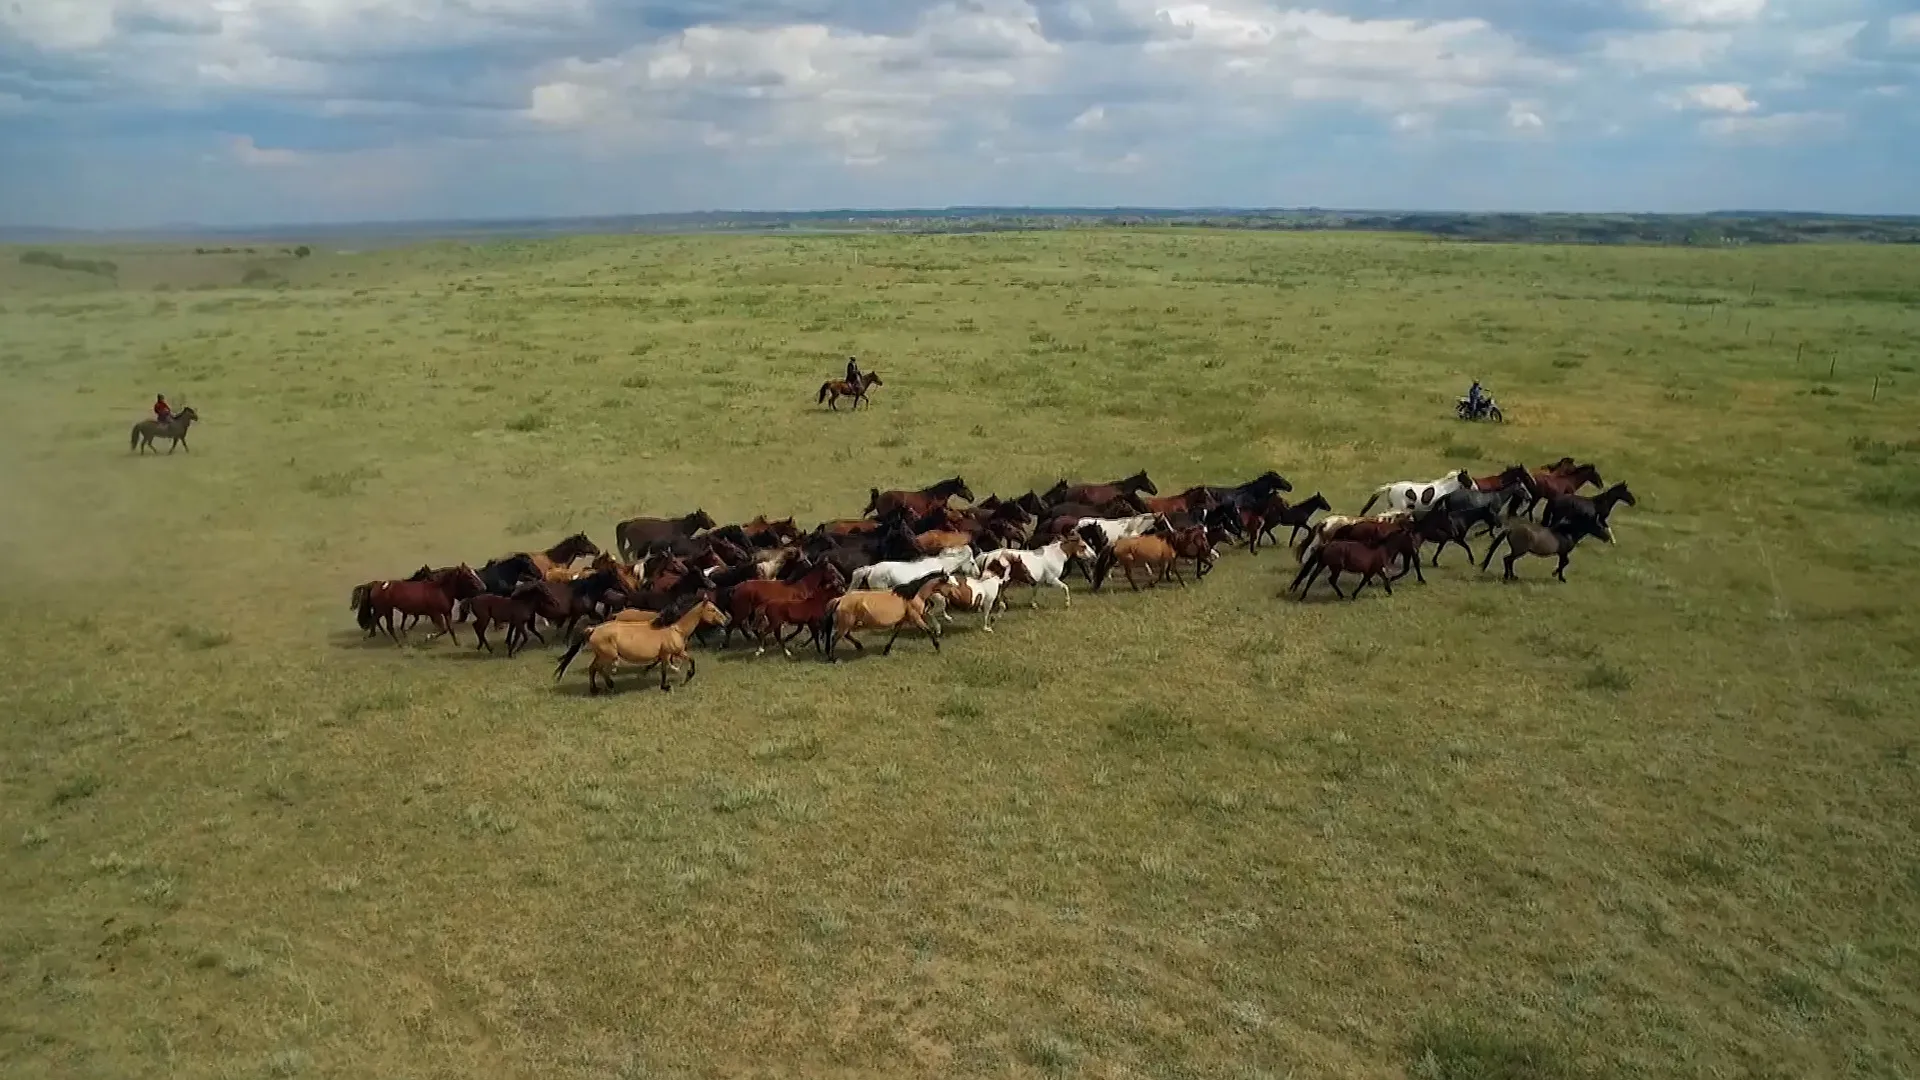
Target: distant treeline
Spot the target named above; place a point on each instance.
(1711, 229)
(57, 261)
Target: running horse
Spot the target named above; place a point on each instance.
(918, 503)
(562, 554)
(833, 390)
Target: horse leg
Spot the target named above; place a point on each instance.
(1333, 579)
(480, 631)
(666, 669)
(1509, 561)
(1066, 594)
(1386, 582)
(888, 651)
(690, 669)
(1561, 570)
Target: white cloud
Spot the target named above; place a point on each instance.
(1716, 97)
(1773, 129)
(966, 67)
(1665, 50)
(1094, 117)
(1523, 116)
(247, 153)
(1904, 29)
(1696, 12)
(1827, 46)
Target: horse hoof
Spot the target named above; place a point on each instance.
(987, 629)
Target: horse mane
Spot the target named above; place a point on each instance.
(912, 588)
(676, 609)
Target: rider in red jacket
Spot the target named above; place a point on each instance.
(162, 411)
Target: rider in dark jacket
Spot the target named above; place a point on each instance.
(853, 372)
(1476, 398)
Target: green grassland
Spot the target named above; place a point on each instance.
(1657, 821)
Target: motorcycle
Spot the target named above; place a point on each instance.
(1488, 410)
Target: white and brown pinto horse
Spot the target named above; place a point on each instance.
(1418, 494)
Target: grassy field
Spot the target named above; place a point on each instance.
(1658, 821)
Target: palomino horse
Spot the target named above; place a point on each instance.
(1524, 538)
(892, 609)
(563, 553)
(661, 643)
(833, 390)
(146, 431)
(916, 503)
(1417, 494)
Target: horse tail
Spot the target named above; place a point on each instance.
(873, 501)
(1504, 536)
(824, 387)
(133, 442)
(1375, 497)
(1102, 566)
(579, 639)
(362, 603)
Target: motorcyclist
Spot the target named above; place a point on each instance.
(1476, 399)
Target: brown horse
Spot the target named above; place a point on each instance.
(1548, 483)
(915, 503)
(661, 643)
(534, 600)
(939, 540)
(1370, 561)
(764, 608)
(1095, 494)
(833, 390)
(1194, 500)
(885, 610)
(642, 536)
(765, 532)
(563, 553)
(432, 598)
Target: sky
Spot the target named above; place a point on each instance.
(134, 113)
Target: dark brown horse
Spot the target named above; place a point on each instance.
(1595, 510)
(1095, 494)
(833, 390)
(1259, 521)
(1524, 538)
(534, 600)
(642, 536)
(1370, 561)
(432, 598)
(916, 503)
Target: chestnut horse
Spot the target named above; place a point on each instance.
(1548, 483)
(431, 599)
(563, 553)
(916, 503)
(1095, 494)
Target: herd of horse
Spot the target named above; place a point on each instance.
(915, 556)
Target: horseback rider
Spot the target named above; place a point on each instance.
(853, 372)
(162, 412)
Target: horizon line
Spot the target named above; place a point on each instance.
(907, 211)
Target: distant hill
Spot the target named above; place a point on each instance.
(1713, 228)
